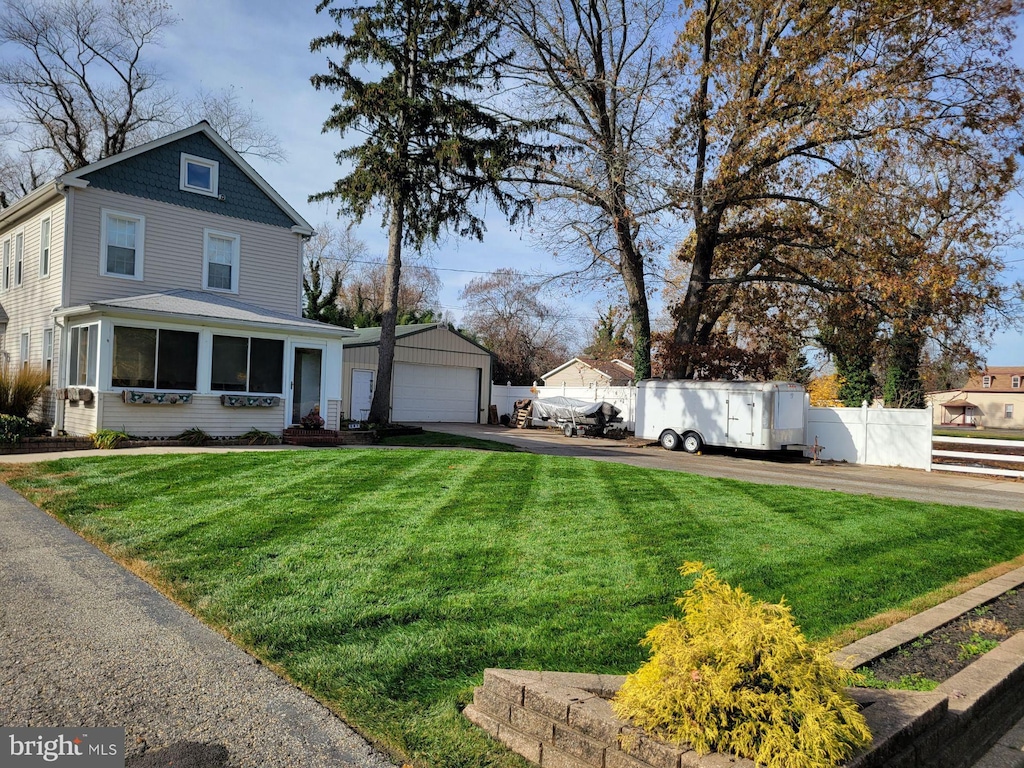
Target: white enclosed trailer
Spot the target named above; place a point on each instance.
(766, 416)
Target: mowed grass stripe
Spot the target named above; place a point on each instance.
(386, 581)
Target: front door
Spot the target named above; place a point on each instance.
(362, 393)
(307, 380)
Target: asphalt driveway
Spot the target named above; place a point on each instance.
(755, 467)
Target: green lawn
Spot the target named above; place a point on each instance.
(386, 581)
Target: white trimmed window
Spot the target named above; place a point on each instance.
(122, 239)
(19, 258)
(220, 261)
(1015, 382)
(6, 285)
(241, 364)
(48, 350)
(986, 381)
(82, 351)
(159, 358)
(24, 349)
(44, 247)
(1008, 410)
(199, 175)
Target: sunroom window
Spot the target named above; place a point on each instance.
(82, 356)
(148, 358)
(242, 364)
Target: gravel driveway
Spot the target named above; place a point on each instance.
(84, 643)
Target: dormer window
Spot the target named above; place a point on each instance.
(1015, 382)
(986, 381)
(199, 175)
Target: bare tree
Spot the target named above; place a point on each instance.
(75, 77)
(527, 336)
(590, 71)
(80, 83)
(239, 123)
(329, 256)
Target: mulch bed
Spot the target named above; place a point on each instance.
(943, 652)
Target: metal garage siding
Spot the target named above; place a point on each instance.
(435, 393)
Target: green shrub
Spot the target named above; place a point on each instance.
(109, 438)
(13, 428)
(736, 675)
(193, 436)
(21, 388)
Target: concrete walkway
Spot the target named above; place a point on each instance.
(84, 643)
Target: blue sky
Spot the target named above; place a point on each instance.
(261, 48)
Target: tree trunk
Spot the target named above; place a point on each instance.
(380, 407)
(689, 314)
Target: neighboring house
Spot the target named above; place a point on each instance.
(439, 375)
(162, 289)
(993, 398)
(587, 372)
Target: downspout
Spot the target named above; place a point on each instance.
(65, 282)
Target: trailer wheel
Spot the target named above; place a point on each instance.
(567, 430)
(692, 442)
(669, 440)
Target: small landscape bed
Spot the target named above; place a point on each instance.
(938, 655)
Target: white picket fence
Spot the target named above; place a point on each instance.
(886, 437)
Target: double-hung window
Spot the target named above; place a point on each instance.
(6, 284)
(151, 358)
(1015, 382)
(122, 240)
(48, 351)
(83, 347)
(242, 364)
(1008, 410)
(199, 175)
(44, 247)
(19, 258)
(220, 261)
(25, 349)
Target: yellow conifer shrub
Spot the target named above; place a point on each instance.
(736, 675)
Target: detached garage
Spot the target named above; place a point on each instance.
(439, 375)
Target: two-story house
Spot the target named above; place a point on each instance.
(162, 287)
(993, 397)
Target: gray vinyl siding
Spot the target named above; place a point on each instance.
(29, 305)
(269, 272)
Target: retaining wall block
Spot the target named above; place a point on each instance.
(556, 758)
(529, 747)
(575, 743)
(491, 704)
(508, 683)
(552, 700)
(532, 724)
(655, 753)
(595, 718)
(482, 720)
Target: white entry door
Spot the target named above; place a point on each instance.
(307, 383)
(362, 393)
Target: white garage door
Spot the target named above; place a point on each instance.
(434, 393)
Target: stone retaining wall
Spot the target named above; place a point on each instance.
(564, 720)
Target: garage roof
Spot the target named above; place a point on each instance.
(370, 337)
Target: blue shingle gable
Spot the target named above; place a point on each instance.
(155, 175)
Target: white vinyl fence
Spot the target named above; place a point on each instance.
(885, 437)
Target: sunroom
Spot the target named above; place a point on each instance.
(158, 364)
